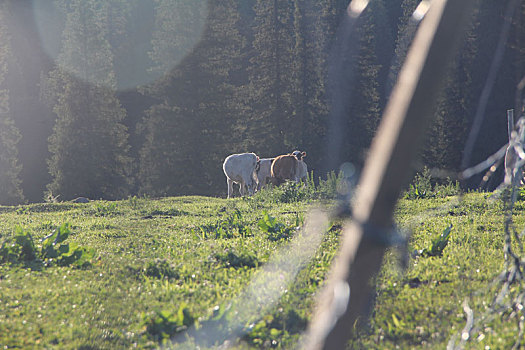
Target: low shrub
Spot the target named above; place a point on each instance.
(233, 226)
(277, 230)
(54, 250)
(160, 268)
(269, 331)
(163, 324)
(439, 242)
(425, 186)
(19, 248)
(332, 187)
(236, 259)
(105, 209)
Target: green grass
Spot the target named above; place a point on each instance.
(186, 255)
(182, 266)
(422, 307)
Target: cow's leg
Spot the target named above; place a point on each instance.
(230, 187)
(248, 187)
(262, 183)
(242, 188)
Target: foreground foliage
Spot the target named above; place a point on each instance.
(21, 249)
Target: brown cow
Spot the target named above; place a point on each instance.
(284, 167)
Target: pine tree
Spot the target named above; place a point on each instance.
(10, 191)
(270, 73)
(458, 103)
(311, 47)
(179, 25)
(89, 142)
(447, 134)
(314, 25)
(218, 108)
(32, 117)
(373, 49)
(387, 24)
(129, 34)
(168, 128)
(406, 30)
(330, 54)
(518, 44)
(493, 133)
(357, 91)
(194, 126)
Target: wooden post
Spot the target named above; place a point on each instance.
(510, 122)
(346, 296)
(510, 155)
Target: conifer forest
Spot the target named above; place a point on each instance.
(114, 98)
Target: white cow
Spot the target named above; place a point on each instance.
(264, 173)
(241, 169)
(302, 168)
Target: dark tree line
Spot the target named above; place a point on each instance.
(107, 99)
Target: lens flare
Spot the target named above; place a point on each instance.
(356, 7)
(132, 61)
(269, 284)
(421, 10)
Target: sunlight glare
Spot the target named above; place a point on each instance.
(270, 283)
(421, 10)
(132, 63)
(356, 7)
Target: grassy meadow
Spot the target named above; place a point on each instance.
(422, 307)
(137, 272)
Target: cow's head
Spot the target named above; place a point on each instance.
(299, 155)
